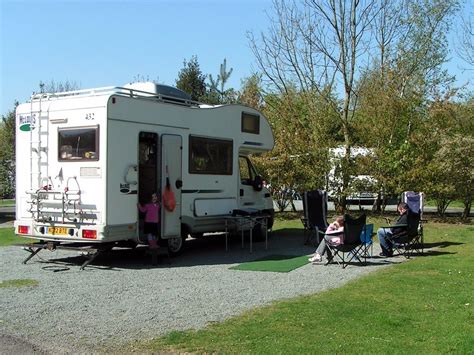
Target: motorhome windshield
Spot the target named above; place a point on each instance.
(77, 144)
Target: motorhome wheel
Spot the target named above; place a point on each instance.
(176, 245)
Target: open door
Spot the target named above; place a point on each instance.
(171, 150)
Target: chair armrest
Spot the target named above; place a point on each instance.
(395, 226)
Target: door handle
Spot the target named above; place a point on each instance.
(241, 192)
(179, 184)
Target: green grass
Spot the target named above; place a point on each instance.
(453, 204)
(7, 202)
(8, 237)
(18, 283)
(424, 306)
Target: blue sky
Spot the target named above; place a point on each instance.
(110, 42)
(104, 43)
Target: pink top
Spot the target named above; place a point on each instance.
(152, 212)
(334, 228)
(336, 232)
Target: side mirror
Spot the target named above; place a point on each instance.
(257, 183)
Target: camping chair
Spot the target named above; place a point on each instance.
(366, 237)
(315, 207)
(415, 202)
(407, 241)
(352, 243)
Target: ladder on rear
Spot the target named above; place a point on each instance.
(39, 131)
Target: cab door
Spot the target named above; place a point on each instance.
(171, 162)
(247, 192)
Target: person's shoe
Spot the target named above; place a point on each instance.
(386, 255)
(315, 259)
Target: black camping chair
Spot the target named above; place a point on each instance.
(352, 243)
(407, 241)
(315, 206)
(415, 202)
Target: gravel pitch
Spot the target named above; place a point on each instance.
(121, 297)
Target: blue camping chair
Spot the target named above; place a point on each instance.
(366, 237)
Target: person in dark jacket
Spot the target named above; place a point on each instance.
(383, 233)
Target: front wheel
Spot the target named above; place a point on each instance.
(176, 245)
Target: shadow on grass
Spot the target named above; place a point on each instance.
(440, 245)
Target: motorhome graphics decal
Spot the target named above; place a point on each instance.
(130, 181)
(125, 188)
(26, 122)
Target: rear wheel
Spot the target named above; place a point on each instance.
(176, 245)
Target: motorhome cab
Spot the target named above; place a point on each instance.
(86, 158)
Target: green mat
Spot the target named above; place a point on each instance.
(274, 263)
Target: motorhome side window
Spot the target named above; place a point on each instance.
(210, 156)
(250, 123)
(76, 144)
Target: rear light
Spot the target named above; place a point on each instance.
(23, 230)
(89, 234)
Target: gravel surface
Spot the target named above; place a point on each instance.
(121, 297)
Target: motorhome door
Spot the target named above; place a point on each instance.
(171, 150)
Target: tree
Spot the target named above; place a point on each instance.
(465, 47)
(61, 86)
(326, 46)
(251, 92)
(317, 46)
(192, 80)
(216, 93)
(7, 154)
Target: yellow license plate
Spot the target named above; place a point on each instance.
(57, 230)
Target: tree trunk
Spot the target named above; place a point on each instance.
(467, 209)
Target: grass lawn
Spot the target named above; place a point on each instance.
(7, 202)
(8, 237)
(424, 305)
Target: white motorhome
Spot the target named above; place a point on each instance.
(85, 159)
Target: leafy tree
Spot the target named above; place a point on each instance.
(299, 160)
(192, 80)
(251, 92)
(7, 154)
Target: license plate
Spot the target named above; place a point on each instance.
(57, 230)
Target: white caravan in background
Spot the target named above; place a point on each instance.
(85, 158)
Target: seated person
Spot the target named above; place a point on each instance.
(334, 235)
(384, 233)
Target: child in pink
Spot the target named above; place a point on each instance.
(152, 219)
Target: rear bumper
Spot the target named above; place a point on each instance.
(75, 232)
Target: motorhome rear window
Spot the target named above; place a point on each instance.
(210, 156)
(78, 144)
(250, 123)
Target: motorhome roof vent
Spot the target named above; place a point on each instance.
(168, 93)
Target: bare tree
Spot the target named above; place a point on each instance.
(319, 46)
(326, 47)
(61, 86)
(465, 48)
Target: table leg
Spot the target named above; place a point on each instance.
(226, 249)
